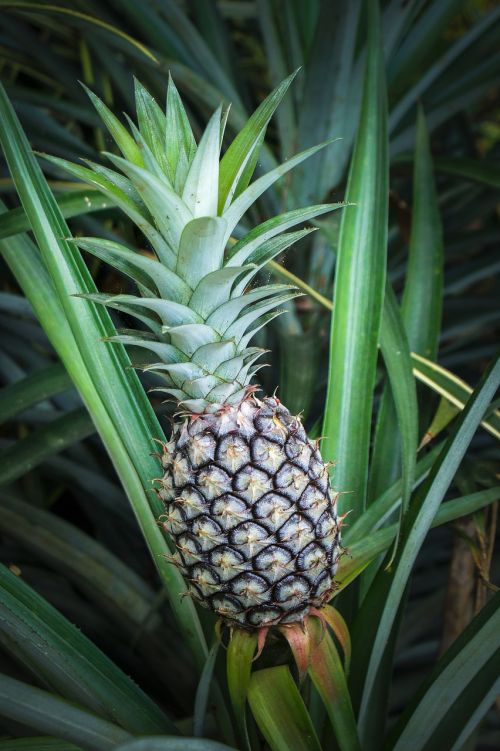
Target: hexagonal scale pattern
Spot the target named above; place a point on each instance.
(249, 506)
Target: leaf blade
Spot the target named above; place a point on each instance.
(359, 289)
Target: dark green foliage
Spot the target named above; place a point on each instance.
(415, 274)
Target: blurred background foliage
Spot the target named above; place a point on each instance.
(65, 522)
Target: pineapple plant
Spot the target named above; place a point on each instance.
(247, 497)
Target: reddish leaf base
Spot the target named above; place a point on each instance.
(304, 638)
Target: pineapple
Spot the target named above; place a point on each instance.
(246, 493)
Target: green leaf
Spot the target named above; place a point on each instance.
(50, 714)
(327, 674)
(44, 442)
(180, 145)
(359, 289)
(121, 594)
(387, 503)
(79, 17)
(242, 203)
(109, 387)
(145, 271)
(37, 743)
(452, 388)
(420, 312)
(203, 691)
(253, 240)
(201, 188)
(420, 42)
(34, 388)
(239, 659)
(362, 551)
(120, 134)
(471, 169)
(64, 659)
(72, 203)
(476, 170)
(278, 67)
(201, 249)
(450, 695)
(382, 602)
(280, 712)
(422, 297)
(241, 150)
(325, 110)
(396, 353)
(173, 744)
(452, 54)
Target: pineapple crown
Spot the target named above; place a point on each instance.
(194, 296)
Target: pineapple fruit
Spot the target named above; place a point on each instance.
(246, 494)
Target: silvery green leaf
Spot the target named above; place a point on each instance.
(171, 313)
(210, 356)
(181, 371)
(136, 211)
(152, 123)
(260, 323)
(130, 305)
(190, 337)
(221, 392)
(243, 250)
(215, 289)
(167, 352)
(229, 369)
(246, 145)
(202, 182)
(234, 213)
(201, 249)
(169, 211)
(227, 313)
(120, 135)
(151, 162)
(267, 252)
(119, 181)
(238, 329)
(180, 146)
(151, 274)
(198, 388)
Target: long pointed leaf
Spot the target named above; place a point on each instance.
(48, 713)
(238, 153)
(385, 595)
(280, 711)
(451, 694)
(110, 388)
(69, 663)
(359, 290)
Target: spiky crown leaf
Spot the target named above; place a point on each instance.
(194, 296)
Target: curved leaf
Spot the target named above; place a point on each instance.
(280, 712)
(446, 701)
(109, 387)
(34, 388)
(376, 617)
(60, 655)
(359, 288)
(47, 713)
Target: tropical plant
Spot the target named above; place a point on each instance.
(185, 228)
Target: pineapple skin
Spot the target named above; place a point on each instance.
(249, 506)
